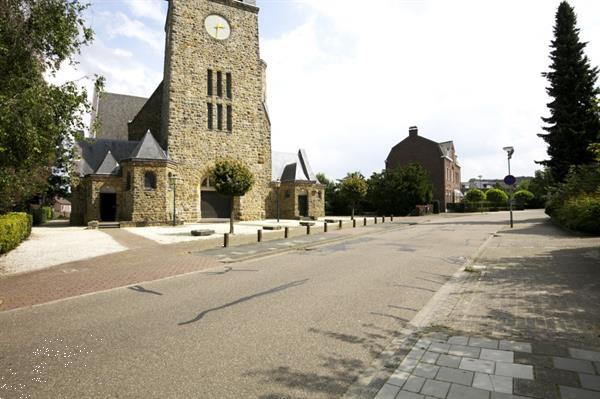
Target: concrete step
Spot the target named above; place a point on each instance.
(109, 225)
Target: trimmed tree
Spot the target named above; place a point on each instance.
(496, 196)
(475, 195)
(232, 179)
(573, 123)
(523, 197)
(354, 188)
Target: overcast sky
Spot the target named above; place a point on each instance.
(346, 78)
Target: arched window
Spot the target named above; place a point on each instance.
(149, 181)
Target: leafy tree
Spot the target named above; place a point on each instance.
(475, 195)
(574, 122)
(233, 179)
(496, 196)
(36, 37)
(398, 191)
(335, 202)
(354, 188)
(540, 186)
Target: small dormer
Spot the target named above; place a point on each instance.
(109, 165)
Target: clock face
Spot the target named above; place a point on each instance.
(217, 27)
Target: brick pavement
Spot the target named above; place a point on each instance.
(536, 286)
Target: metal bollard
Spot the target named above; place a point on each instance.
(383, 219)
(353, 223)
(391, 218)
(340, 225)
(286, 232)
(259, 233)
(225, 240)
(375, 219)
(325, 227)
(364, 221)
(307, 229)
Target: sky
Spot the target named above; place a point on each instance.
(346, 78)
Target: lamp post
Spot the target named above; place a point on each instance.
(173, 181)
(277, 186)
(509, 152)
(480, 183)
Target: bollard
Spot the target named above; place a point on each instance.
(259, 233)
(307, 229)
(340, 225)
(225, 240)
(325, 227)
(353, 223)
(286, 232)
(383, 219)
(375, 219)
(391, 218)
(364, 221)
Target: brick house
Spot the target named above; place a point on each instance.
(439, 159)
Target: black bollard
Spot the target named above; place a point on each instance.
(340, 225)
(286, 232)
(226, 240)
(259, 235)
(353, 223)
(325, 227)
(375, 219)
(307, 229)
(383, 219)
(391, 218)
(364, 221)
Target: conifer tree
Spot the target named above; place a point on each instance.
(573, 123)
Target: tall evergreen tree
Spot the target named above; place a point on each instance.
(573, 124)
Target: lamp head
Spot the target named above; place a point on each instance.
(509, 151)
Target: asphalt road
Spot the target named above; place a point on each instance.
(298, 325)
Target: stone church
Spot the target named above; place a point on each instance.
(150, 156)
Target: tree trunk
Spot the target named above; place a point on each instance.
(352, 211)
(231, 217)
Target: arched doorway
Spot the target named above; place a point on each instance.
(108, 204)
(212, 204)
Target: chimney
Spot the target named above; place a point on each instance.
(413, 131)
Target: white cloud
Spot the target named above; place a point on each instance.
(348, 82)
(151, 9)
(121, 25)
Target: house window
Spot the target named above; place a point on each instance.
(209, 114)
(149, 181)
(229, 118)
(209, 83)
(220, 116)
(219, 84)
(228, 85)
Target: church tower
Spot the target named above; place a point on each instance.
(213, 103)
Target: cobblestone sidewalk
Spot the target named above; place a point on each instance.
(523, 323)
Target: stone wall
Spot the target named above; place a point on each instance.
(190, 52)
(151, 206)
(288, 200)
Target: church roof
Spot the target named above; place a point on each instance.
(288, 166)
(113, 111)
(149, 148)
(93, 153)
(109, 166)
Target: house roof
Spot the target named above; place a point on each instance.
(287, 166)
(95, 155)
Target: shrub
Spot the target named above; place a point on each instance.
(48, 212)
(39, 216)
(475, 195)
(14, 228)
(496, 196)
(580, 213)
(523, 197)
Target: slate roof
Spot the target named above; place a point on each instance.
(96, 155)
(113, 111)
(287, 166)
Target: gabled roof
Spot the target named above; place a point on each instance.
(288, 166)
(109, 166)
(149, 148)
(113, 111)
(446, 148)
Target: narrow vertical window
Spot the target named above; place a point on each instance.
(219, 84)
(228, 85)
(209, 83)
(209, 114)
(229, 118)
(220, 116)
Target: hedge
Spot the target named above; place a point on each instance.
(580, 213)
(42, 214)
(14, 228)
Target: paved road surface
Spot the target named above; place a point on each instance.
(298, 325)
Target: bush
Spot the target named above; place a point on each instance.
(496, 196)
(580, 213)
(475, 195)
(39, 216)
(523, 197)
(14, 228)
(49, 212)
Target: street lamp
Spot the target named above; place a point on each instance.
(480, 184)
(277, 186)
(173, 181)
(510, 180)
